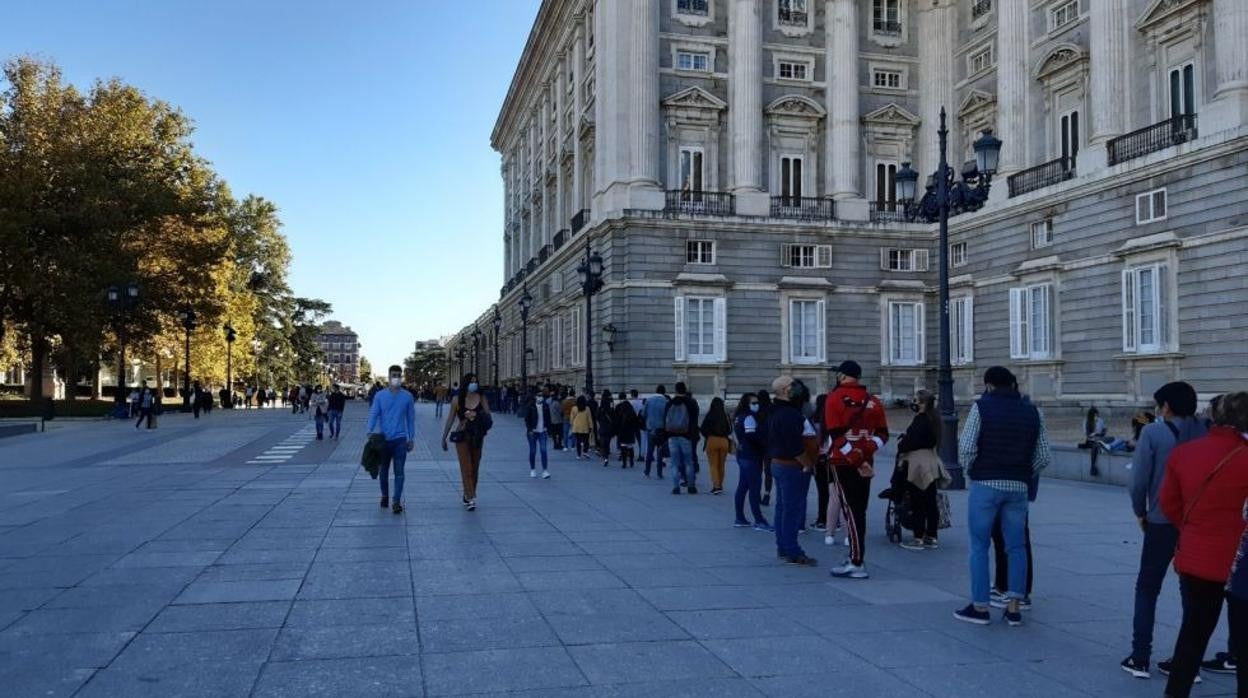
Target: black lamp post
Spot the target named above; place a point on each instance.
(230, 336)
(590, 272)
(476, 349)
(459, 356)
(946, 197)
(122, 301)
(526, 303)
(498, 326)
(188, 324)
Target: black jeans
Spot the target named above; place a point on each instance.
(1001, 581)
(925, 514)
(822, 482)
(855, 492)
(1155, 556)
(654, 451)
(1202, 604)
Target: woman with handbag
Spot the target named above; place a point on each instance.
(1203, 493)
(922, 473)
(470, 413)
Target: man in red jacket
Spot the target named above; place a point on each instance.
(855, 422)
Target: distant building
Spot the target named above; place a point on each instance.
(341, 346)
(429, 345)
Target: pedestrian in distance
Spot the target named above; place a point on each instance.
(132, 401)
(393, 415)
(639, 407)
(855, 422)
(627, 430)
(654, 409)
(679, 420)
(1203, 494)
(751, 444)
(551, 400)
(320, 410)
(337, 404)
(716, 430)
(792, 443)
(470, 416)
(1004, 446)
(582, 421)
(146, 406)
(604, 417)
(566, 404)
(920, 473)
(536, 414)
(197, 399)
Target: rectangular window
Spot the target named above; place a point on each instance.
(1069, 127)
(1146, 309)
(800, 256)
(699, 252)
(1063, 13)
(885, 184)
(894, 259)
(576, 338)
(905, 333)
(979, 61)
(691, 172)
(1182, 91)
(1041, 233)
(886, 16)
(692, 7)
(961, 330)
(957, 254)
(806, 331)
(887, 79)
(793, 70)
(1150, 206)
(791, 176)
(791, 12)
(558, 360)
(1031, 322)
(700, 329)
(693, 60)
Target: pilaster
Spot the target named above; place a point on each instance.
(1229, 108)
(1012, 84)
(844, 149)
(937, 24)
(745, 105)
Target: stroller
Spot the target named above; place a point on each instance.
(897, 517)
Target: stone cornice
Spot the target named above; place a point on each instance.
(552, 16)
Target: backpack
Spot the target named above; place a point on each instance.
(676, 421)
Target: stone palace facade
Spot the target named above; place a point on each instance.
(733, 162)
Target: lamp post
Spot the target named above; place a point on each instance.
(498, 326)
(526, 303)
(946, 197)
(459, 356)
(476, 349)
(590, 272)
(188, 324)
(121, 301)
(230, 336)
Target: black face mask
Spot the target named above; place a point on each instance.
(799, 394)
(914, 407)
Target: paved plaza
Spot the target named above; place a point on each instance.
(235, 556)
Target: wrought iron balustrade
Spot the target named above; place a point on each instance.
(699, 203)
(1041, 176)
(803, 208)
(1150, 139)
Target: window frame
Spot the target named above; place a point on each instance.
(962, 329)
(1054, 9)
(906, 260)
(1023, 338)
(790, 26)
(794, 330)
(820, 255)
(694, 256)
(956, 260)
(1187, 75)
(880, 11)
(988, 50)
(877, 72)
(1160, 297)
(807, 65)
(699, 175)
(894, 347)
(690, 11)
(716, 305)
(1045, 224)
(679, 52)
(793, 173)
(1152, 197)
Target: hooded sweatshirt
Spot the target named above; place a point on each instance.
(1148, 464)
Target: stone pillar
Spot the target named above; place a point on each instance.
(937, 24)
(643, 113)
(1013, 81)
(559, 220)
(1110, 30)
(543, 163)
(1229, 108)
(578, 105)
(745, 106)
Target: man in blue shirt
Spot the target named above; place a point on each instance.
(393, 415)
(655, 407)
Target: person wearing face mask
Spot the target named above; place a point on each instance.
(393, 415)
(793, 446)
(921, 472)
(855, 422)
(472, 412)
(537, 423)
(320, 406)
(750, 447)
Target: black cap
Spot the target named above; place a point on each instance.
(850, 368)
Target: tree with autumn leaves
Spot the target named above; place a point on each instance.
(103, 187)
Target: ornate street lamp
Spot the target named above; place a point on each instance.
(498, 326)
(188, 323)
(526, 303)
(590, 272)
(230, 336)
(476, 348)
(459, 356)
(122, 301)
(946, 197)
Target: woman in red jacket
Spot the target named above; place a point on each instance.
(1203, 494)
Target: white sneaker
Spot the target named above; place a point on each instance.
(532, 472)
(472, 505)
(850, 570)
(829, 540)
(545, 474)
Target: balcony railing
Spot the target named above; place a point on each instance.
(792, 17)
(544, 253)
(1159, 136)
(531, 266)
(1041, 176)
(802, 208)
(981, 8)
(579, 219)
(699, 203)
(692, 7)
(887, 27)
(888, 212)
(561, 237)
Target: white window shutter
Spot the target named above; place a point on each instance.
(1128, 311)
(920, 260)
(1163, 305)
(1046, 316)
(920, 333)
(968, 338)
(785, 255)
(680, 328)
(1018, 324)
(821, 329)
(824, 256)
(721, 329)
(884, 258)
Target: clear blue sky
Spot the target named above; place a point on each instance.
(366, 122)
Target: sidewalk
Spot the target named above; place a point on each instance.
(216, 577)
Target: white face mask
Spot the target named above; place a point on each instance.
(395, 381)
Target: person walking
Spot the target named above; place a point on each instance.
(654, 409)
(679, 419)
(855, 422)
(1004, 446)
(581, 422)
(472, 411)
(626, 431)
(793, 445)
(716, 429)
(639, 407)
(556, 418)
(921, 473)
(337, 404)
(566, 405)
(393, 415)
(764, 411)
(319, 405)
(146, 403)
(1203, 493)
(605, 419)
(537, 423)
(751, 444)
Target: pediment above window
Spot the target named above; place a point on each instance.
(892, 115)
(975, 102)
(1060, 60)
(796, 105)
(1161, 12)
(694, 98)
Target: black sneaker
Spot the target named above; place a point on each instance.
(1222, 663)
(801, 561)
(675, 490)
(970, 614)
(397, 508)
(693, 490)
(1014, 619)
(1163, 668)
(385, 502)
(1135, 668)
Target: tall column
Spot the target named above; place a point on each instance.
(745, 106)
(560, 217)
(1230, 35)
(937, 42)
(1012, 84)
(578, 105)
(643, 112)
(1110, 30)
(544, 149)
(844, 137)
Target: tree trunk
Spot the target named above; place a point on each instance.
(38, 357)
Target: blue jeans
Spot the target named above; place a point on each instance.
(749, 481)
(396, 453)
(437, 408)
(792, 484)
(1155, 557)
(335, 423)
(537, 439)
(654, 449)
(984, 505)
(567, 434)
(682, 460)
(320, 424)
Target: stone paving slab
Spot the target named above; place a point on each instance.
(217, 577)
